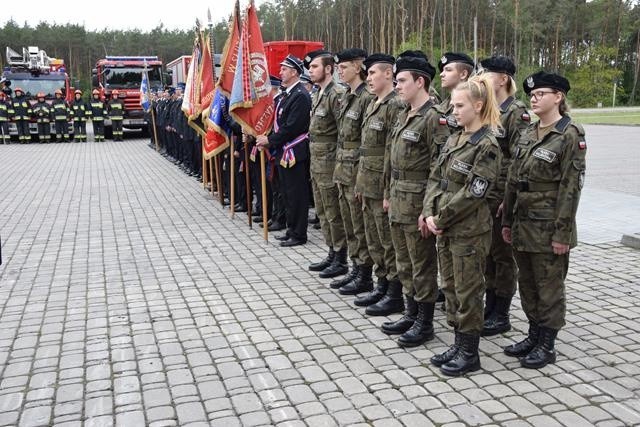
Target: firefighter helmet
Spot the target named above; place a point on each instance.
(78, 92)
(2, 94)
(18, 89)
(58, 92)
(40, 95)
(95, 92)
(114, 92)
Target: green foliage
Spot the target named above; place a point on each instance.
(592, 80)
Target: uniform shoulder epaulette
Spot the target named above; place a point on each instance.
(578, 127)
(478, 135)
(563, 124)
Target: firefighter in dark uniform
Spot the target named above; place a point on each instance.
(60, 117)
(415, 143)
(539, 218)
(79, 111)
(42, 113)
(6, 112)
(456, 211)
(22, 115)
(115, 109)
(290, 137)
(97, 112)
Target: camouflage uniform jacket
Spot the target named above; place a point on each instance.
(467, 168)
(446, 117)
(323, 133)
(544, 185)
(378, 122)
(352, 109)
(415, 144)
(515, 119)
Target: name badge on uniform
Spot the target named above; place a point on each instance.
(353, 114)
(376, 125)
(321, 112)
(460, 166)
(411, 135)
(544, 154)
(451, 121)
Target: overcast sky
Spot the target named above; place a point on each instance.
(120, 14)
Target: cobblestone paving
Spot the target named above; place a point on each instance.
(128, 297)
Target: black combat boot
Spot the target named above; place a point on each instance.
(489, 303)
(523, 347)
(319, 266)
(422, 329)
(352, 275)
(467, 359)
(375, 295)
(338, 266)
(403, 324)
(442, 358)
(390, 303)
(544, 352)
(362, 283)
(498, 320)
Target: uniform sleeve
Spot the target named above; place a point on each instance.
(571, 182)
(392, 118)
(482, 176)
(517, 125)
(441, 134)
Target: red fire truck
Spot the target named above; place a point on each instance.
(124, 73)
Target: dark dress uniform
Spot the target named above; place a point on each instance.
(541, 201)
(97, 112)
(79, 111)
(21, 116)
(291, 141)
(6, 112)
(60, 116)
(115, 108)
(42, 113)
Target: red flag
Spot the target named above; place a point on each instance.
(230, 54)
(207, 83)
(251, 97)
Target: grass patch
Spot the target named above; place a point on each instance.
(607, 118)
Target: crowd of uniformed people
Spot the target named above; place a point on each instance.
(410, 186)
(59, 120)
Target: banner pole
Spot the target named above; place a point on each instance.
(247, 181)
(263, 176)
(232, 177)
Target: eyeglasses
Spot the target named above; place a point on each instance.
(539, 94)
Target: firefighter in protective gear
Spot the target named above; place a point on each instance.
(60, 117)
(6, 112)
(116, 113)
(42, 113)
(21, 115)
(79, 110)
(97, 112)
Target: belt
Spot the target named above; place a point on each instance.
(350, 145)
(527, 186)
(451, 186)
(371, 151)
(323, 140)
(408, 175)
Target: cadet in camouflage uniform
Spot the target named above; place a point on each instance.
(456, 210)
(416, 138)
(42, 114)
(352, 109)
(539, 218)
(323, 142)
(501, 270)
(455, 67)
(379, 119)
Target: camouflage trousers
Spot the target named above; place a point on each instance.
(328, 210)
(462, 265)
(378, 234)
(501, 271)
(416, 261)
(351, 211)
(541, 283)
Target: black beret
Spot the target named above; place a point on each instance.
(275, 81)
(543, 79)
(350, 55)
(413, 54)
(417, 65)
(499, 64)
(293, 62)
(315, 54)
(451, 57)
(377, 58)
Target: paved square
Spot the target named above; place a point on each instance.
(129, 297)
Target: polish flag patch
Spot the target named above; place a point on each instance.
(582, 144)
(443, 120)
(526, 117)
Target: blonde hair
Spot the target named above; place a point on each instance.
(481, 89)
(512, 87)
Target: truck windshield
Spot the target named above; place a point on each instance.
(129, 77)
(32, 87)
